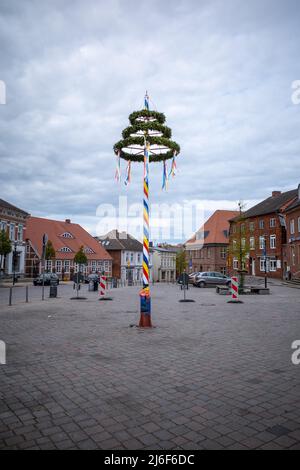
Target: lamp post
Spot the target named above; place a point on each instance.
(265, 258)
(14, 262)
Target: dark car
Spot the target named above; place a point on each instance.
(207, 279)
(93, 277)
(49, 278)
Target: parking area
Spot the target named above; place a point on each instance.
(210, 375)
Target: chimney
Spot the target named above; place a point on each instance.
(276, 193)
(68, 221)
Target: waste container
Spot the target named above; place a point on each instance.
(53, 289)
(95, 286)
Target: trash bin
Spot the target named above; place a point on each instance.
(95, 286)
(53, 290)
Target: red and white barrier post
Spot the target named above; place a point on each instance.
(103, 288)
(235, 291)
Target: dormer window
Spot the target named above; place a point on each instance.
(66, 235)
(65, 249)
(88, 251)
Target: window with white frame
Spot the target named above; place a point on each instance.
(65, 249)
(262, 264)
(94, 266)
(131, 257)
(20, 232)
(252, 243)
(272, 222)
(261, 224)
(243, 243)
(251, 226)
(3, 225)
(49, 265)
(261, 243)
(273, 265)
(12, 231)
(66, 235)
(106, 266)
(127, 256)
(292, 226)
(272, 242)
(139, 258)
(235, 264)
(58, 266)
(67, 266)
(223, 251)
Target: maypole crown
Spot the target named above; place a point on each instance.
(146, 125)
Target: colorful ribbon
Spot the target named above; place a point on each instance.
(146, 221)
(147, 101)
(165, 176)
(128, 173)
(118, 167)
(173, 167)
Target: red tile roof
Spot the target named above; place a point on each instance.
(36, 227)
(216, 228)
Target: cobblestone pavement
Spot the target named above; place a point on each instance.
(211, 375)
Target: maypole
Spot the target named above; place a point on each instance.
(146, 140)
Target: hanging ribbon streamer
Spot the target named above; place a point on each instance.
(165, 176)
(128, 173)
(147, 101)
(118, 168)
(173, 167)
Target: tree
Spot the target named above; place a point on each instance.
(181, 262)
(49, 251)
(80, 257)
(5, 248)
(239, 246)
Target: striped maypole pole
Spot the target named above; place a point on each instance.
(145, 319)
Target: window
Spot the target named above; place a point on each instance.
(272, 222)
(20, 232)
(65, 249)
(292, 226)
(261, 243)
(261, 224)
(3, 225)
(106, 266)
(208, 252)
(67, 266)
(243, 228)
(234, 244)
(88, 251)
(139, 258)
(49, 265)
(58, 266)
(234, 228)
(131, 257)
(251, 226)
(252, 243)
(272, 242)
(223, 251)
(262, 264)
(243, 243)
(127, 256)
(223, 271)
(66, 235)
(12, 231)
(94, 265)
(299, 224)
(273, 265)
(235, 264)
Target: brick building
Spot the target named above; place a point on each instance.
(13, 222)
(67, 238)
(207, 250)
(291, 251)
(262, 229)
(127, 255)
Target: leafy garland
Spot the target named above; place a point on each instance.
(145, 127)
(155, 122)
(159, 117)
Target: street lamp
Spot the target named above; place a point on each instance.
(14, 262)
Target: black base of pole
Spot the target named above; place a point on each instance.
(186, 300)
(235, 302)
(106, 298)
(78, 298)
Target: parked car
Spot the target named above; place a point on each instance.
(92, 277)
(206, 279)
(192, 277)
(48, 278)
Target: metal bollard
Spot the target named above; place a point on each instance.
(10, 296)
(27, 294)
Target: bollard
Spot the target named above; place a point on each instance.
(10, 296)
(235, 291)
(103, 288)
(27, 294)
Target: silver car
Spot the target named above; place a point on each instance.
(211, 278)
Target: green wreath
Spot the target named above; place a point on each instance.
(146, 121)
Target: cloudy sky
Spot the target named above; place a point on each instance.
(221, 71)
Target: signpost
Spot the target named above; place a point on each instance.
(45, 241)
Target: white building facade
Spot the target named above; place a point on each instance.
(164, 264)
